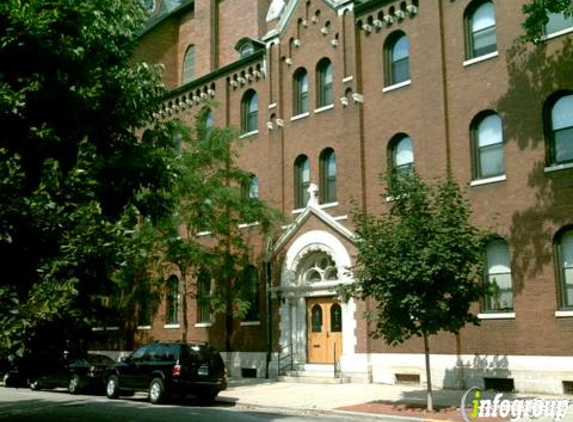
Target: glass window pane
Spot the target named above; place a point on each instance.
(305, 171)
(401, 49)
(564, 145)
(501, 296)
(489, 131)
(484, 42)
(562, 113)
(254, 189)
(497, 256)
(558, 22)
(335, 318)
(316, 319)
(483, 17)
(567, 250)
(491, 161)
(400, 71)
(404, 153)
(189, 64)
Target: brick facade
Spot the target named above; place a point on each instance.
(436, 108)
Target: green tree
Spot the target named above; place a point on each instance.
(421, 262)
(214, 203)
(75, 180)
(537, 15)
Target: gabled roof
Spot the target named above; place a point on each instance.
(311, 209)
(291, 7)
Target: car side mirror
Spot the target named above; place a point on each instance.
(124, 359)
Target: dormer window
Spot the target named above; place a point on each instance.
(247, 46)
(246, 50)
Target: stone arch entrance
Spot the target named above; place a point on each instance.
(315, 264)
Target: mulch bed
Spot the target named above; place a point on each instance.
(413, 410)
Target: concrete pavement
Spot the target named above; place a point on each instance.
(333, 397)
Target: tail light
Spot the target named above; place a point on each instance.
(176, 371)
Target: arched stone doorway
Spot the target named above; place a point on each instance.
(318, 327)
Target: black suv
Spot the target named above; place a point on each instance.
(167, 370)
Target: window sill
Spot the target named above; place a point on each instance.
(341, 218)
(201, 234)
(105, 328)
(397, 86)
(324, 108)
(564, 314)
(203, 324)
(298, 210)
(558, 167)
(250, 323)
(496, 315)
(557, 34)
(329, 205)
(144, 327)
(249, 134)
(299, 116)
(347, 79)
(247, 225)
(172, 326)
(480, 59)
(488, 180)
(273, 105)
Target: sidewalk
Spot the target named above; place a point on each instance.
(374, 399)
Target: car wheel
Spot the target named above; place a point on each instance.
(157, 391)
(207, 397)
(74, 384)
(112, 387)
(35, 384)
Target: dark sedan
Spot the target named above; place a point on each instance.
(86, 373)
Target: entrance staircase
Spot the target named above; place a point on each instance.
(314, 374)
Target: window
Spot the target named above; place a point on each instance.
(246, 50)
(318, 267)
(557, 23)
(172, 306)
(144, 314)
(205, 123)
(204, 298)
(301, 181)
(561, 134)
(401, 154)
(480, 29)
(189, 64)
(327, 176)
(564, 246)
(250, 112)
(324, 83)
(397, 59)
(498, 277)
(300, 94)
(252, 293)
(488, 146)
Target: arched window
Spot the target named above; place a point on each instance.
(397, 58)
(316, 319)
(324, 95)
(189, 65)
(249, 112)
(301, 181)
(204, 298)
(481, 38)
(318, 267)
(205, 123)
(251, 285)
(487, 137)
(401, 153)
(327, 176)
(498, 277)
(558, 23)
(561, 133)
(300, 92)
(172, 305)
(564, 249)
(335, 318)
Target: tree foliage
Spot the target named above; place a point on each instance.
(421, 261)
(537, 15)
(75, 180)
(210, 227)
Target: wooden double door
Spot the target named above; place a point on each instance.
(324, 328)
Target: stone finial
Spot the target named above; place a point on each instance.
(312, 195)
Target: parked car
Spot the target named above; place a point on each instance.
(76, 373)
(166, 370)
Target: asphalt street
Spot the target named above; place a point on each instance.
(23, 405)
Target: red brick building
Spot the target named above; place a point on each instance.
(328, 94)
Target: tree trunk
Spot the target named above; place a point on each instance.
(184, 307)
(430, 400)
